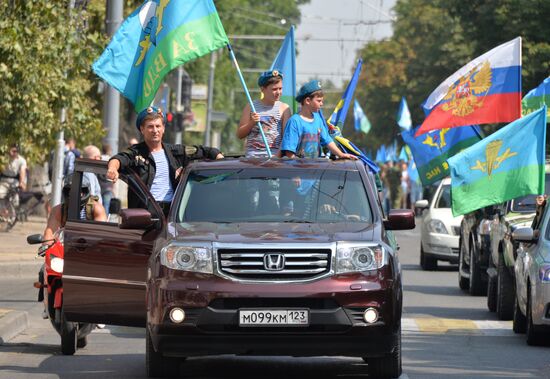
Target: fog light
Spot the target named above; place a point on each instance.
(177, 315)
(370, 316)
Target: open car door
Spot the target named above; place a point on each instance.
(105, 266)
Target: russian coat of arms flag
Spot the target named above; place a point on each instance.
(486, 90)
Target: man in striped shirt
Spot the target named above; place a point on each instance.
(158, 164)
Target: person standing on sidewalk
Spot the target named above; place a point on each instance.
(158, 164)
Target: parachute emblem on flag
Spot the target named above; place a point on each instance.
(476, 82)
(493, 160)
(149, 15)
(436, 140)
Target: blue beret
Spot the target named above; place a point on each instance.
(148, 111)
(308, 89)
(265, 76)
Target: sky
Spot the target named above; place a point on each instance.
(331, 32)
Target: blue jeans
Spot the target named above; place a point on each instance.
(106, 199)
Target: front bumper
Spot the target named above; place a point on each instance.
(441, 246)
(336, 325)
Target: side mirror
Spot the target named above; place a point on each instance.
(400, 219)
(135, 218)
(422, 204)
(524, 235)
(114, 206)
(34, 239)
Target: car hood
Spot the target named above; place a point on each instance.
(271, 232)
(445, 215)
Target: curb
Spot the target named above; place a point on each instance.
(20, 269)
(11, 324)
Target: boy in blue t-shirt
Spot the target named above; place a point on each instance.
(305, 132)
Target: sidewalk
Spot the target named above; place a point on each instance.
(17, 258)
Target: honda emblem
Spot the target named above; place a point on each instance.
(274, 262)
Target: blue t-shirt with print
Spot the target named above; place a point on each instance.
(304, 138)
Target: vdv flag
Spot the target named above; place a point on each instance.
(430, 151)
(507, 164)
(362, 123)
(155, 38)
(403, 115)
(403, 155)
(285, 62)
(339, 115)
(486, 90)
(536, 98)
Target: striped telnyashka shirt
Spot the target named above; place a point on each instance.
(270, 118)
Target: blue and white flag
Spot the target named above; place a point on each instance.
(362, 123)
(403, 115)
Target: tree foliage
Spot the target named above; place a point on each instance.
(45, 57)
(433, 39)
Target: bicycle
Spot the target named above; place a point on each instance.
(10, 214)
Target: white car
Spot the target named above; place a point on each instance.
(440, 230)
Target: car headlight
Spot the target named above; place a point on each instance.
(436, 226)
(359, 258)
(187, 258)
(544, 274)
(56, 264)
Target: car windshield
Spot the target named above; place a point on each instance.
(526, 204)
(274, 195)
(444, 200)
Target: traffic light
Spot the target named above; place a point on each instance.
(179, 122)
(169, 120)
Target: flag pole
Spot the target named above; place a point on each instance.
(252, 109)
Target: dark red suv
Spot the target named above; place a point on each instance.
(257, 257)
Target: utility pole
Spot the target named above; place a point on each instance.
(111, 105)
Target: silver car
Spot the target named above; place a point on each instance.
(532, 271)
(440, 230)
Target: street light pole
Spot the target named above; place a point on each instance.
(111, 105)
(210, 99)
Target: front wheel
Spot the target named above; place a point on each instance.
(157, 365)
(476, 282)
(506, 291)
(8, 215)
(426, 262)
(463, 282)
(389, 366)
(69, 336)
(519, 323)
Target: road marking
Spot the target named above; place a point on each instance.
(436, 325)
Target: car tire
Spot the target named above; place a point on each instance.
(426, 262)
(463, 282)
(157, 365)
(492, 294)
(519, 321)
(389, 366)
(534, 336)
(476, 283)
(506, 291)
(82, 342)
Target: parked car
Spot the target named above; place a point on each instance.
(532, 271)
(277, 257)
(474, 250)
(440, 230)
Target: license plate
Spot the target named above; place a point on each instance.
(274, 317)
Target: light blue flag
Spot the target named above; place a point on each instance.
(362, 123)
(403, 115)
(339, 115)
(536, 98)
(155, 38)
(403, 155)
(507, 164)
(285, 62)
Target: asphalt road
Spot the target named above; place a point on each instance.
(446, 333)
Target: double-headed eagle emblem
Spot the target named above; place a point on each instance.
(464, 96)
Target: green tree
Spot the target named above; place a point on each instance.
(45, 58)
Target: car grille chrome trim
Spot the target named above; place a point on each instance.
(302, 262)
